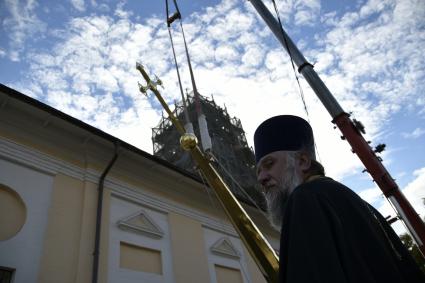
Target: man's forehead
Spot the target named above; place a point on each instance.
(267, 157)
(271, 155)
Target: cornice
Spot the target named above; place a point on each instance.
(147, 200)
(37, 160)
(30, 157)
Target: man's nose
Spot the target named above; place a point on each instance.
(263, 178)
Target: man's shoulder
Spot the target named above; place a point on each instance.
(326, 194)
(323, 187)
(320, 185)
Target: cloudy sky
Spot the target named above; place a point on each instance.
(79, 56)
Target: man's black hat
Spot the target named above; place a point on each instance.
(284, 132)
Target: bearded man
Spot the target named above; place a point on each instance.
(328, 233)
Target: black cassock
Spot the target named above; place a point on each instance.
(329, 234)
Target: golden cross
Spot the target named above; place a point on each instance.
(151, 84)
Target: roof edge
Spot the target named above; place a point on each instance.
(80, 124)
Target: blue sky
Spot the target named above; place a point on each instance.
(79, 56)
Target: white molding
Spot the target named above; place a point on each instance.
(35, 189)
(225, 258)
(224, 247)
(119, 209)
(151, 229)
(35, 159)
(151, 202)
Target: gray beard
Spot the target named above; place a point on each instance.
(276, 197)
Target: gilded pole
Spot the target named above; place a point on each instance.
(257, 245)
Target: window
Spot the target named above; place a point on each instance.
(13, 213)
(6, 274)
(227, 274)
(140, 259)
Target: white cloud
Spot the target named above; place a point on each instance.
(106, 80)
(413, 135)
(415, 191)
(90, 74)
(373, 195)
(324, 61)
(371, 59)
(253, 56)
(59, 99)
(225, 53)
(366, 62)
(306, 12)
(120, 12)
(20, 24)
(79, 5)
(299, 12)
(376, 65)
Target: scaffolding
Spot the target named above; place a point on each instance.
(229, 146)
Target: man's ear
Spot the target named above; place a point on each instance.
(304, 162)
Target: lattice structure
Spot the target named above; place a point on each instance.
(229, 145)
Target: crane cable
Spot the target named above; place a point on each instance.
(240, 188)
(292, 61)
(295, 73)
(224, 227)
(170, 20)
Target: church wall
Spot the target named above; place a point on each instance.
(88, 224)
(104, 240)
(55, 169)
(69, 236)
(62, 241)
(188, 243)
(135, 227)
(254, 271)
(13, 212)
(224, 252)
(23, 251)
(42, 135)
(69, 218)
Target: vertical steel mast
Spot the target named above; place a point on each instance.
(351, 133)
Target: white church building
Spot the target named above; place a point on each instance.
(156, 223)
